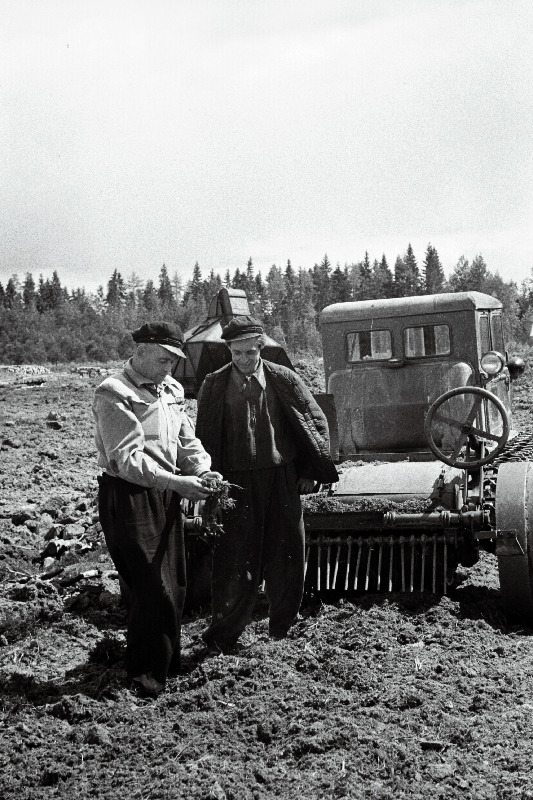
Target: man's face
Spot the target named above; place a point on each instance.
(245, 354)
(154, 362)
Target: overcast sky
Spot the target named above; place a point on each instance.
(142, 132)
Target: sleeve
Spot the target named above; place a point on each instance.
(192, 457)
(312, 424)
(200, 393)
(120, 441)
(200, 426)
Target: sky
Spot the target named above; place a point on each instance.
(137, 133)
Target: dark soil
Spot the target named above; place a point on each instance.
(382, 697)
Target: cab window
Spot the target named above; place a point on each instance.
(368, 346)
(424, 341)
(497, 333)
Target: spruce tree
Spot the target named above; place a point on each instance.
(400, 278)
(406, 275)
(290, 280)
(29, 295)
(211, 286)
(44, 295)
(365, 281)
(275, 294)
(150, 299)
(195, 289)
(259, 293)
(340, 285)
(12, 298)
(239, 280)
(478, 273)
(116, 291)
(164, 292)
(133, 288)
(321, 275)
(433, 279)
(249, 280)
(57, 293)
(382, 280)
(460, 277)
(303, 330)
(412, 273)
(286, 308)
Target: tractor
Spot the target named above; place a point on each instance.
(431, 469)
(418, 400)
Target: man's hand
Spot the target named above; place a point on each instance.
(211, 476)
(305, 485)
(190, 487)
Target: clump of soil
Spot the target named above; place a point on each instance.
(213, 508)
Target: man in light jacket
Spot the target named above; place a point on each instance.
(150, 459)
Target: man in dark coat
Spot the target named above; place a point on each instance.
(267, 435)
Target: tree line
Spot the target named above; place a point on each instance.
(43, 322)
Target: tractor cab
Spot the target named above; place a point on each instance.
(388, 361)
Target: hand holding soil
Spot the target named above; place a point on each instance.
(190, 487)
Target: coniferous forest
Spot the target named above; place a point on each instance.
(43, 322)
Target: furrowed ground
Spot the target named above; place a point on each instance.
(384, 697)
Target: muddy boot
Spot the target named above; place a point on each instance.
(146, 686)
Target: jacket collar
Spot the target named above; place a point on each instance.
(240, 378)
(139, 380)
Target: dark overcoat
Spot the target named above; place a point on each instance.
(305, 416)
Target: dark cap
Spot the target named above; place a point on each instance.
(165, 334)
(241, 328)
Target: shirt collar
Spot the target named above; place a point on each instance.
(240, 378)
(139, 380)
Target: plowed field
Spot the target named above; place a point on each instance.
(384, 697)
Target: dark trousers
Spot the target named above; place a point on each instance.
(263, 538)
(143, 529)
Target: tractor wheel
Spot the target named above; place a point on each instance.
(514, 512)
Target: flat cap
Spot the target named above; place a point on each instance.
(165, 334)
(241, 328)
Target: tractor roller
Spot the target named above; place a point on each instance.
(385, 528)
(514, 515)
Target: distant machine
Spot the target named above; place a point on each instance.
(206, 351)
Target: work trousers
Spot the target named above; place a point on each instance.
(143, 529)
(263, 538)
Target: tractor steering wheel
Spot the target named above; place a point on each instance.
(453, 428)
